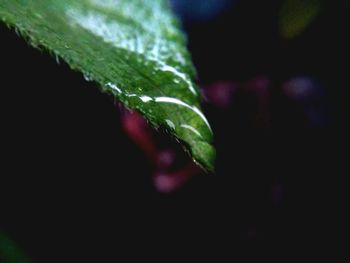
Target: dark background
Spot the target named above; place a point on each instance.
(74, 186)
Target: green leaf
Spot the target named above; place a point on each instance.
(132, 49)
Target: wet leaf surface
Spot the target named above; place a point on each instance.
(134, 50)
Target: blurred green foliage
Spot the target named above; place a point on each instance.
(10, 252)
(296, 15)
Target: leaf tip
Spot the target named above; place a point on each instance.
(204, 155)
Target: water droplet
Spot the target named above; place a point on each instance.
(114, 87)
(170, 124)
(181, 103)
(87, 78)
(191, 129)
(57, 59)
(146, 98)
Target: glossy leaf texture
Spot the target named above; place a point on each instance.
(132, 49)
